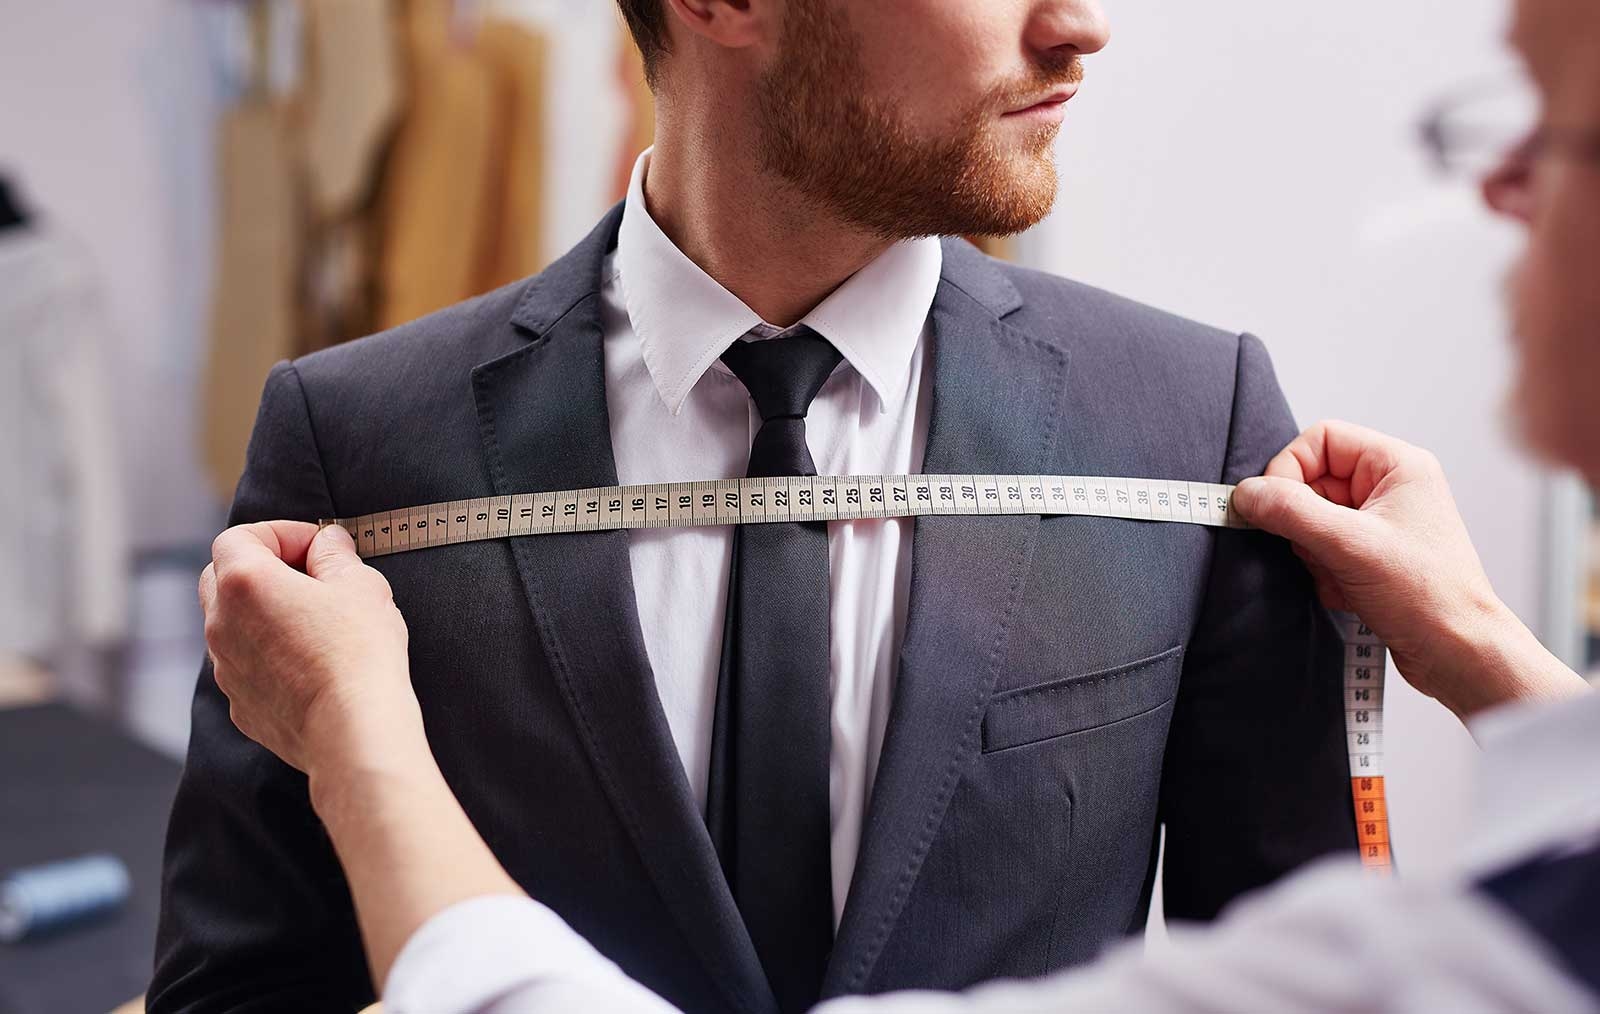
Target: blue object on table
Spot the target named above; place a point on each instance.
(43, 899)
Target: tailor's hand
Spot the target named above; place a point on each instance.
(1373, 519)
(314, 664)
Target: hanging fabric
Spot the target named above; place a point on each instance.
(253, 317)
(350, 101)
(463, 194)
(64, 547)
(434, 204)
(517, 60)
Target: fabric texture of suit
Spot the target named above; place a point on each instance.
(1066, 687)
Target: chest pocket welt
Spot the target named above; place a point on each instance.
(1079, 703)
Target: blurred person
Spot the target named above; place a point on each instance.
(315, 665)
(763, 766)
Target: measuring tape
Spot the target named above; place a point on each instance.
(856, 497)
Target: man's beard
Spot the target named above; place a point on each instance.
(855, 156)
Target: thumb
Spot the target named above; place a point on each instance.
(332, 556)
(1294, 511)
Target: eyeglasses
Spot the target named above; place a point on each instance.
(1495, 122)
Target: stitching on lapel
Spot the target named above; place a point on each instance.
(952, 773)
(552, 643)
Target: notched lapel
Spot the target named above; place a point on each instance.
(542, 415)
(997, 404)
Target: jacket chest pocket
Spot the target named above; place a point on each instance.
(1073, 704)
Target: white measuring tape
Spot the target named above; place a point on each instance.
(856, 497)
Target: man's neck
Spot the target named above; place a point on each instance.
(752, 233)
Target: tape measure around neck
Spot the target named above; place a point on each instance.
(858, 497)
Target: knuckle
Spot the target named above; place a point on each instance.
(1275, 500)
(239, 585)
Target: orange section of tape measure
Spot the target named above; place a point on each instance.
(1372, 823)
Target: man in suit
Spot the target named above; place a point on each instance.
(761, 767)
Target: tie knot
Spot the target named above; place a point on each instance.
(783, 375)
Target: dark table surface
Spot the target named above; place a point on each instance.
(71, 784)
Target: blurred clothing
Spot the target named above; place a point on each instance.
(461, 209)
(63, 546)
(434, 201)
(518, 60)
(254, 303)
(1333, 939)
(398, 168)
(352, 94)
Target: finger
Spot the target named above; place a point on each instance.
(332, 557)
(1295, 511)
(1330, 447)
(1331, 597)
(208, 589)
(1331, 487)
(1343, 460)
(1363, 457)
(285, 541)
(1329, 593)
(1286, 464)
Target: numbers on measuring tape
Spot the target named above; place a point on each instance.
(802, 498)
(846, 498)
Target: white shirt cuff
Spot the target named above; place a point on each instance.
(477, 952)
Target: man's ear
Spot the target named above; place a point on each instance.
(736, 24)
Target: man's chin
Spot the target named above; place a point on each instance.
(1539, 425)
(1007, 203)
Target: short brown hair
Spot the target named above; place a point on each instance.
(647, 20)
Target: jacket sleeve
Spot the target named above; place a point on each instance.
(255, 913)
(1255, 781)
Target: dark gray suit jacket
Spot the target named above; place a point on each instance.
(1067, 685)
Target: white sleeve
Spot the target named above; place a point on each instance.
(1333, 939)
(508, 954)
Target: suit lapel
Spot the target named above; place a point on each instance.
(997, 400)
(544, 425)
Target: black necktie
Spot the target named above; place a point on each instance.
(767, 802)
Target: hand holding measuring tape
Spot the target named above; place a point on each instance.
(306, 642)
(297, 653)
(1374, 521)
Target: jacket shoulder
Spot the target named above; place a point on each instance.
(445, 343)
(1084, 318)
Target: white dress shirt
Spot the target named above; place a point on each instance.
(1331, 939)
(678, 414)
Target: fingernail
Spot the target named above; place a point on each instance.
(1244, 494)
(338, 534)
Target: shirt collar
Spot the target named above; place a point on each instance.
(685, 319)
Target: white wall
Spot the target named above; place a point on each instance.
(105, 116)
(1255, 166)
